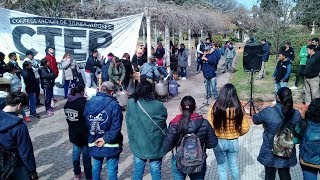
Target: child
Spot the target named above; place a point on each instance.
(282, 72)
(47, 77)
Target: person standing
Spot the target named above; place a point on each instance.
(200, 49)
(105, 64)
(2, 64)
(138, 60)
(275, 119)
(183, 61)
(15, 138)
(129, 71)
(13, 61)
(78, 131)
(303, 61)
(188, 122)
(282, 73)
(315, 41)
(309, 132)
(229, 123)
(265, 58)
(117, 72)
(210, 59)
(69, 66)
(160, 52)
(149, 116)
(230, 53)
(47, 78)
(35, 67)
(104, 120)
(91, 67)
(311, 73)
(289, 51)
(31, 87)
(53, 65)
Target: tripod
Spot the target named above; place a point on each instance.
(250, 102)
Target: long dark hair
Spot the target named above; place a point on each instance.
(188, 105)
(227, 108)
(76, 89)
(285, 97)
(313, 112)
(144, 91)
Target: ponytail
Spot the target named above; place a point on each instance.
(287, 110)
(188, 105)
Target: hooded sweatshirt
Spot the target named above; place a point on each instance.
(78, 131)
(14, 136)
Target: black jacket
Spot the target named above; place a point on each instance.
(92, 64)
(135, 62)
(14, 136)
(73, 109)
(29, 80)
(2, 67)
(197, 125)
(128, 67)
(47, 77)
(289, 53)
(312, 68)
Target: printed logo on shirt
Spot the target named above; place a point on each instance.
(96, 122)
(72, 115)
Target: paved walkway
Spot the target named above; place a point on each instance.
(53, 150)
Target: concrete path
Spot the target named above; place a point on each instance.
(53, 150)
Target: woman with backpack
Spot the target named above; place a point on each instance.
(228, 120)
(278, 121)
(183, 129)
(309, 131)
(146, 125)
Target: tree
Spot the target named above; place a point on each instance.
(309, 12)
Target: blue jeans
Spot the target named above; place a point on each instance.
(226, 153)
(183, 71)
(20, 173)
(48, 92)
(112, 168)
(139, 165)
(177, 175)
(76, 152)
(32, 103)
(163, 71)
(309, 173)
(211, 84)
(279, 85)
(67, 85)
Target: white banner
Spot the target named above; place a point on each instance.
(20, 32)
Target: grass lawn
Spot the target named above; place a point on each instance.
(263, 90)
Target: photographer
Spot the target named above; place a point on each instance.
(210, 59)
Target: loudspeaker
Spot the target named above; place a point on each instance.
(252, 57)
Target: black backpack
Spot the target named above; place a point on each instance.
(8, 161)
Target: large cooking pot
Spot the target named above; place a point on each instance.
(122, 97)
(161, 88)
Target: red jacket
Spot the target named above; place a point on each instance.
(53, 64)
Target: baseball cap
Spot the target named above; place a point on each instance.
(109, 86)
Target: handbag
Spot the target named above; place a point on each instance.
(143, 110)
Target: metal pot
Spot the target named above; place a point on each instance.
(161, 88)
(122, 97)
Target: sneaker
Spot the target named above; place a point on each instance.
(166, 77)
(258, 78)
(26, 118)
(36, 115)
(293, 88)
(274, 102)
(184, 78)
(52, 102)
(78, 176)
(49, 113)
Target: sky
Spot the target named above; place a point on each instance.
(248, 3)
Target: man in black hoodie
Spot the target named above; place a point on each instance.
(78, 131)
(15, 138)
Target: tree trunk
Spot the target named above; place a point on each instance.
(167, 44)
(144, 34)
(172, 36)
(148, 20)
(180, 36)
(155, 35)
(189, 46)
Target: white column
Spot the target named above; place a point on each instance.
(81, 2)
(167, 44)
(144, 33)
(173, 36)
(155, 35)
(180, 37)
(148, 20)
(201, 33)
(189, 46)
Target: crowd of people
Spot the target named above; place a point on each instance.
(95, 123)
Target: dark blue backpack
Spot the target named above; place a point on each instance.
(173, 88)
(310, 143)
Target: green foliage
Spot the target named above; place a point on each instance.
(268, 5)
(308, 12)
